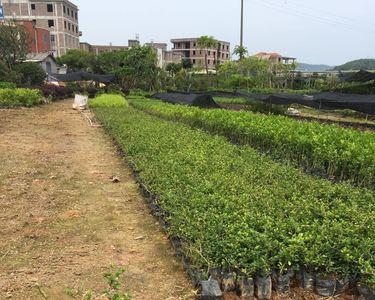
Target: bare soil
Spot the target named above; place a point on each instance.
(63, 222)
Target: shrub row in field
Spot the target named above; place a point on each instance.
(19, 97)
(340, 154)
(235, 208)
(108, 101)
(7, 85)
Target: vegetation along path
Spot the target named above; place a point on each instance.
(64, 222)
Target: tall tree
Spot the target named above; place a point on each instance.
(206, 43)
(241, 51)
(13, 44)
(77, 60)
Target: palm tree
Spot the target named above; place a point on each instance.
(241, 51)
(205, 43)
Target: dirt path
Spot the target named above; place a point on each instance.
(63, 222)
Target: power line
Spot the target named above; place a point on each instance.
(299, 4)
(303, 14)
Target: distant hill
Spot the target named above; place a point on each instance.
(313, 68)
(360, 64)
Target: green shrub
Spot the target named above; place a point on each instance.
(341, 154)
(19, 97)
(108, 100)
(235, 208)
(30, 74)
(8, 85)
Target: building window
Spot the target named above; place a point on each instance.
(208, 61)
(33, 6)
(227, 55)
(193, 61)
(65, 24)
(68, 26)
(73, 28)
(76, 16)
(194, 52)
(209, 52)
(227, 47)
(76, 29)
(49, 7)
(53, 39)
(64, 9)
(51, 23)
(195, 44)
(178, 45)
(68, 10)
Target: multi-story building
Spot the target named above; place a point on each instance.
(97, 49)
(189, 49)
(164, 56)
(59, 17)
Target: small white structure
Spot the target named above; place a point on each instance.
(80, 102)
(46, 61)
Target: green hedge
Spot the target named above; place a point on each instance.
(108, 100)
(8, 85)
(235, 208)
(19, 97)
(339, 153)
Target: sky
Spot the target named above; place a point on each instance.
(314, 31)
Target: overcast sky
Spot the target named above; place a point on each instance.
(314, 31)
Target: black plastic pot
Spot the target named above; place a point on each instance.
(263, 288)
(308, 280)
(216, 274)
(281, 282)
(246, 287)
(325, 287)
(228, 283)
(342, 284)
(210, 290)
(365, 292)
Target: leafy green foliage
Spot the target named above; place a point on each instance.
(134, 68)
(241, 51)
(341, 154)
(235, 208)
(77, 60)
(13, 44)
(186, 63)
(8, 85)
(30, 74)
(252, 72)
(206, 43)
(19, 97)
(114, 292)
(108, 100)
(174, 68)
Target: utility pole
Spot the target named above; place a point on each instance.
(241, 38)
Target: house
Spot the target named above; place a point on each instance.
(188, 48)
(275, 58)
(45, 60)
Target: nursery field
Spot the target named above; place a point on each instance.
(236, 214)
(327, 150)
